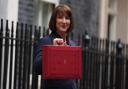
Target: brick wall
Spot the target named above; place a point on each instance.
(26, 11)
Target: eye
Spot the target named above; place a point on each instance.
(60, 17)
(67, 17)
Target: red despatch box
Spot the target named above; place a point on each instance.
(61, 62)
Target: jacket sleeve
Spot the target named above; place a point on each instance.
(38, 56)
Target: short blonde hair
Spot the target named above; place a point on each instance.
(64, 9)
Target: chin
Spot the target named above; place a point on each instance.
(63, 30)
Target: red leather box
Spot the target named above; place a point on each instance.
(61, 62)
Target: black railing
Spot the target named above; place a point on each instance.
(105, 63)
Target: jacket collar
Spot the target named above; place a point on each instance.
(55, 34)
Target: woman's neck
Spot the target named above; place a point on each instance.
(62, 34)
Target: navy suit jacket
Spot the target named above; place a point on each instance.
(50, 84)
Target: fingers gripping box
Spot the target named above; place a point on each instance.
(61, 62)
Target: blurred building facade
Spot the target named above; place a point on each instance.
(114, 19)
(36, 12)
(9, 9)
(86, 16)
(101, 18)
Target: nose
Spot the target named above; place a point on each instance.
(64, 20)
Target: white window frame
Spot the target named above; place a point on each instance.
(40, 13)
(105, 11)
(56, 2)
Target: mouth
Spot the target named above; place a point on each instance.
(64, 26)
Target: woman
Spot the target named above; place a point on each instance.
(61, 23)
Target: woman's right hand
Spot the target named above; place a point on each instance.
(59, 42)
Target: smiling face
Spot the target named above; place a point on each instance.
(61, 19)
(62, 22)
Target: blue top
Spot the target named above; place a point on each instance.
(51, 84)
